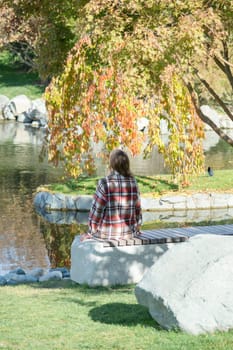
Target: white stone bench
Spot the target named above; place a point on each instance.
(108, 263)
(105, 263)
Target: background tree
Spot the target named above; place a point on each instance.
(18, 35)
(40, 32)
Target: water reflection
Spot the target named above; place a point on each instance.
(21, 237)
(26, 239)
(58, 240)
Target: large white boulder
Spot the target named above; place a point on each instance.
(38, 111)
(16, 106)
(190, 287)
(96, 265)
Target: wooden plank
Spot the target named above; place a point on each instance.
(130, 241)
(145, 241)
(179, 239)
(162, 240)
(154, 241)
(137, 241)
(151, 235)
(170, 235)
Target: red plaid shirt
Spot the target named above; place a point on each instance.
(116, 208)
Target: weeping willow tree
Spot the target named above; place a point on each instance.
(137, 59)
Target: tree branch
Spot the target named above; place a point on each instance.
(215, 95)
(227, 63)
(219, 64)
(24, 53)
(226, 66)
(206, 119)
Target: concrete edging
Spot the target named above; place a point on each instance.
(47, 201)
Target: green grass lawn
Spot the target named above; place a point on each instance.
(14, 80)
(63, 315)
(153, 185)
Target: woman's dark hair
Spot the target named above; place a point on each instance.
(119, 161)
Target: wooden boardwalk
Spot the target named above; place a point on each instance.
(170, 235)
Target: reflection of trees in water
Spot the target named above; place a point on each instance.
(220, 156)
(23, 182)
(21, 243)
(58, 240)
(20, 163)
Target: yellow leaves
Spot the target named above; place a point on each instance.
(182, 152)
(87, 106)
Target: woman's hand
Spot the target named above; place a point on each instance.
(85, 236)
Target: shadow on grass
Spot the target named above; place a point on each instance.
(158, 185)
(115, 313)
(69, 284)
(123, 314)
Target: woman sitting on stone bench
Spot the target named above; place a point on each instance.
(116, 208)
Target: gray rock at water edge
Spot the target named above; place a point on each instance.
(65, 272)
(3, 281)
(14, 278)
(24, 118)
(37, 272)
(19, 276)
(58, 201)
(18, 271)
(16, 106)
(80, 203)
(39, 201)
(12, 283)
(3, 102)
(22, 109)
(190, 286)
(48, 201)
(51, 276)
(7, 113)
(158, 207)
(38, 111)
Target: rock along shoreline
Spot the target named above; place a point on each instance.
(49, 201)
(19, 276)
(59, 208)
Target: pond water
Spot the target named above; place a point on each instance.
(22, 241)
(26, 239)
